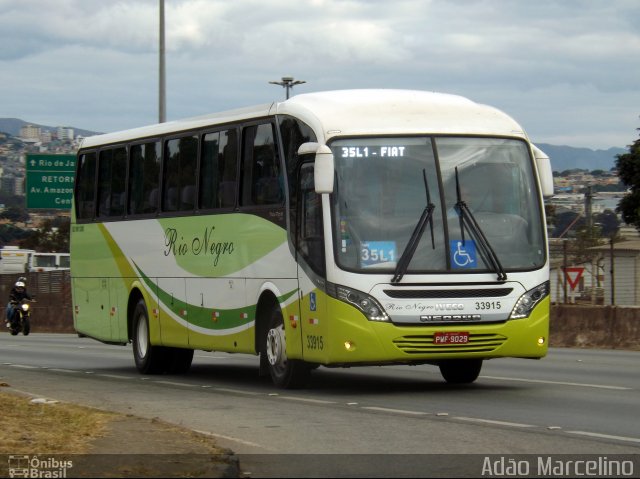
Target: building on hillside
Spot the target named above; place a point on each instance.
(65, 133)
(45, 137)
(9, 185)
(30, 132)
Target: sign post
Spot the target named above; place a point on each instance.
(572, 277)
(49, 181)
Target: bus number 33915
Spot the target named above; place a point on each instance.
(488, 305)
(315, 342)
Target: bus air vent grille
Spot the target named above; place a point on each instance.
(447, 293)
(424, 343)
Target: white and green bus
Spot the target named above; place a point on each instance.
(337, 229)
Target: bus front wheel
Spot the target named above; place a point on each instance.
(149, 359)
(285, 373)
(460, 371)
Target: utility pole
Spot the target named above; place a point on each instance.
(162, 107)
(288, 83)
(612, 271)
(588, 209)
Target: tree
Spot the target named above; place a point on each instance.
(10, 234)
(53, 236)
(586, 237)
(628, 165)
(609, 223)
(566, 224)
(16, 214)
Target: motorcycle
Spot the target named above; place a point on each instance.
(21, 317)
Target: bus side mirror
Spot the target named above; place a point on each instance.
(324, 166)
(545, 173)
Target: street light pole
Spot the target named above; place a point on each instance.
(288, 83)
(162, 107)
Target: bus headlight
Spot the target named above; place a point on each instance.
(364, 302)
(529, 300)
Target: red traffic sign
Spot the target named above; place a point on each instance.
(573, 276)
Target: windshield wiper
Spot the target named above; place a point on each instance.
(467, 219)
(412, 245)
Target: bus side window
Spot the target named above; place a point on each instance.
(262, 182)
(218, 166)
(311, 237)
(104, 182)
(86, 186)
(180, 174)
(294, 133)
(144, 176)
(112, 169)
(208, 170)
(228, 166)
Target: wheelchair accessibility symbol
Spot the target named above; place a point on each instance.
(463, 253)
(312, 301)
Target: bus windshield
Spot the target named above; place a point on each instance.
(380, 195)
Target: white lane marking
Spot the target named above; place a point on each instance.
(309, 400)
(113, 376)
(236, 391)
(560, 383)
(397, 411)
(491, 421)
(23, 366)
(60, 370)
(234, 439)
(174, 383)
(605, 436)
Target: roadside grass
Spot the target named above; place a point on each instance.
(28, 427)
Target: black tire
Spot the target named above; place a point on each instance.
(26, 326)
(285, 373)
(14, 322)
(14, 327)
(460, 371)
(179, 360)
(149, 359)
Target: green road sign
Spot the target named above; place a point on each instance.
(50, 181)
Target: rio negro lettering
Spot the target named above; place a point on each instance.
(205, 245)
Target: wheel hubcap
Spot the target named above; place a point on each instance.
(142, 338)
(276, 353)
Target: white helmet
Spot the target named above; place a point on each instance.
(20, 284)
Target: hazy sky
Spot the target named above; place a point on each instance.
(567, 70)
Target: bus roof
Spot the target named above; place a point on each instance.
(171, 127)
(388, 112)
(353, 113)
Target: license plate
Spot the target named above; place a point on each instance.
(451, 338)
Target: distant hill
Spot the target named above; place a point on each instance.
(13, 125)
(569, 158)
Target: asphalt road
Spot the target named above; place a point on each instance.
(571, 402)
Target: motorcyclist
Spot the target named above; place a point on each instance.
(16, 295)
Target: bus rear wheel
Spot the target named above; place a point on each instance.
(460, 371)
(285, 373)
(149, 359)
